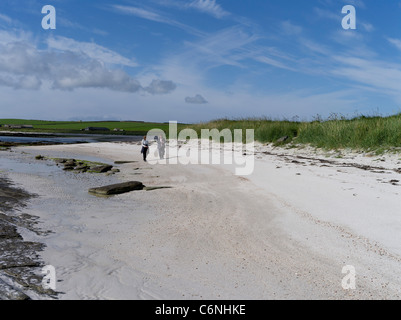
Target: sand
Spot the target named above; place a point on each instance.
(284, 232)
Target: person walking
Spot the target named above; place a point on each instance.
(161, 146)
(145, 148)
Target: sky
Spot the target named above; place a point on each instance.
(199, 60)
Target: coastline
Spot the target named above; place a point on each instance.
(285, 232)
(20, 264)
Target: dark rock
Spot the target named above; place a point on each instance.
(39, 157)
(20, 262)
(118, 188)
(101, 169)
(11, 197)
(8, 292)
(82, 167)
(70, 163)
(8, 231)
(156, 188)
(124, 162)
(283, 139)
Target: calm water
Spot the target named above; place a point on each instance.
(68, 138)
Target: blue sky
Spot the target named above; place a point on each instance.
(198, 60)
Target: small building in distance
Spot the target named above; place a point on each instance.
(96, 129)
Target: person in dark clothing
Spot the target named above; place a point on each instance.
(145, 148)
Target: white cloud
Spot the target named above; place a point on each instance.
(160, 87)
(24, 66)
(22, 82)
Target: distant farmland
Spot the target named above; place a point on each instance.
(128, 127)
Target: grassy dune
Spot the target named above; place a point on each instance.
(368, 133)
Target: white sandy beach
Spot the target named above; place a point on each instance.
(284, 232)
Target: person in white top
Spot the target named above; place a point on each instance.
(161, 146)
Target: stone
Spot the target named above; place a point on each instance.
(118, 188)
(101, 169)
(39, 157)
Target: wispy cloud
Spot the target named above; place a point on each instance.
(5, 18)
(152, 15)
(64, 22)
(229, 46)
(372, 73)
(288, 28)
(395, 42)
(337, 16)
(356, 3)
(91, 49)
(209, 7)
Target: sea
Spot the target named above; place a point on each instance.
(65, 138)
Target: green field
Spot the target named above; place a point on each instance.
(129, 127)
(367, 133)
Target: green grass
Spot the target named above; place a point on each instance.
(265, 130)
(367, 133)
